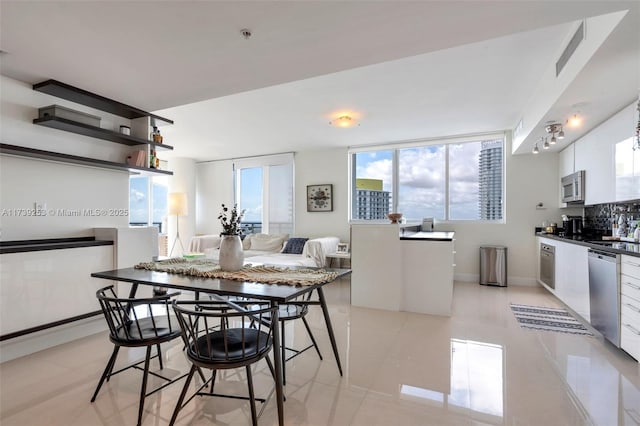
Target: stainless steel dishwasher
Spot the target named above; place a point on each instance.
(604, 294)
(548, 265)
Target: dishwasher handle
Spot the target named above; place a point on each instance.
(603, 255)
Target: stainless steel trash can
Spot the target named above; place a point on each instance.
(493, 265)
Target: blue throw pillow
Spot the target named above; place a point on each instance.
(294, 245)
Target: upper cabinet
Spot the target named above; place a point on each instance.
(596, 153)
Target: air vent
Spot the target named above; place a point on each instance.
(571, 47)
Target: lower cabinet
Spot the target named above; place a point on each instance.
(571, 275)
(630, 305)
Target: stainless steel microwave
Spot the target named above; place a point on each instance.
(573, 188)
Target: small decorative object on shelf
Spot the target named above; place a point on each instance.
(152, 159)
(156, 137)
(125, 130)
(231, 256)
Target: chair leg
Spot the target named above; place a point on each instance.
(143, 389)
(273, 372)
(182, 395)
(213, 379)
(284, 353)
(313, 340)
(107, 371)
(160, 356)
(252, 398)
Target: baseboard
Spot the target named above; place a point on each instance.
(475, 278)
(35, 342)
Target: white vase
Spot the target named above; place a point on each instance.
(231, 255)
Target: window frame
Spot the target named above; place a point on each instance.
(265, 162)
(395, 181)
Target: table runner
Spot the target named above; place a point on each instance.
(267, 274)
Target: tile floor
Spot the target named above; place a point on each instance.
(476, 368)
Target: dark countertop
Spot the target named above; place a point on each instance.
(21, 246)
(427, 236)
(619, 247)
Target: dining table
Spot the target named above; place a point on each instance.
(273, 293)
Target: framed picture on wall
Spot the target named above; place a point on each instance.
(320, 198)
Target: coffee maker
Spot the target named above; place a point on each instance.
(572, 225)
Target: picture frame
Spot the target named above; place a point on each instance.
(342, 248)
(320, 198)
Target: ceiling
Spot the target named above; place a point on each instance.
(404, 70)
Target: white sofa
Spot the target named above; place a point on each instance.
(269, 248)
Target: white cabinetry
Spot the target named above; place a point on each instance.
(566, 166)
(400, 275)
(630, 305)
(571, 275)
(567, 161)
(627, 169)
(595, 153)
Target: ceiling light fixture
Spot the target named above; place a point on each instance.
(574, 121)
(546, 144)
(554, 128)
(343, 121)
(535, 149)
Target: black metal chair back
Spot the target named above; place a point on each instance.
(136, 323)
(224, 335)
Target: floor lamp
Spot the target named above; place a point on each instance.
(177, 207)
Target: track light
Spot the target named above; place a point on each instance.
(553, 140)
(535, 149)
(561, 134)
(545, 145)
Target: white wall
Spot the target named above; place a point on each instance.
(214, 186)
(322, 167)
(60, 186)
(184, 180)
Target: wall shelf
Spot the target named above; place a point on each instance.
(96, 132)
(74, 94)
(20, 151)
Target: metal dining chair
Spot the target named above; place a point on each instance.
(144, 322)
(221, 336)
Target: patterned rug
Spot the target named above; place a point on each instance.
(548, 319)
(263, 274)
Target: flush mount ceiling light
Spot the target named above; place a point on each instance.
(574, 121)
(343, 121)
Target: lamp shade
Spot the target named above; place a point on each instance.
(178, 204)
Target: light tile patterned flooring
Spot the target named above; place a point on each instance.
(476, 368)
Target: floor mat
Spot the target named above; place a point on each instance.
(549, 319)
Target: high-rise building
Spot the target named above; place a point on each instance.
(371, 201)
(490, 180)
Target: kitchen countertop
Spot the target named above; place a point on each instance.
(611, 246)
(427, 236)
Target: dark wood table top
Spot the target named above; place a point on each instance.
(273, 292)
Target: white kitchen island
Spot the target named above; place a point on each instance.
(401, 271)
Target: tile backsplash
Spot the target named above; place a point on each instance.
(601, 217)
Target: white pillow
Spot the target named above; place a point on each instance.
(265, 242)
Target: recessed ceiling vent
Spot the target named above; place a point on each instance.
(570, 49)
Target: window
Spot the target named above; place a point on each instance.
(264, 189)
(148, 201)
(459, 179)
